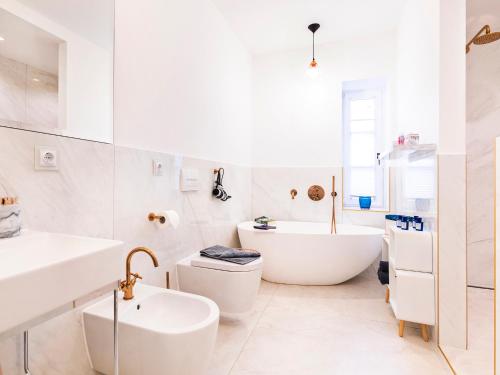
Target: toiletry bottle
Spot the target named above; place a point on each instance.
(419, 224)
(405, 222)
(398, 222)
(414, 221)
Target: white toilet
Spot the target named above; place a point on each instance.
(233, 287)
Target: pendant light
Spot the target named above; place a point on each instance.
(313, 66)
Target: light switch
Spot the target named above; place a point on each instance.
(190, 179)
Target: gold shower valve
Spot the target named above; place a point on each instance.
(316, 193)
(293, 193)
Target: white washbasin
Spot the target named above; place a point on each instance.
(161, 331)
(41, 272)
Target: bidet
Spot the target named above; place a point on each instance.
(162, 331)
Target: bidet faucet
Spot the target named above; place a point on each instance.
(127, 285)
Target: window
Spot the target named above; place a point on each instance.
(363, 126)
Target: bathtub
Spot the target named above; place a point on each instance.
(307, 254)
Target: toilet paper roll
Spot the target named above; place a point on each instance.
(171, 218)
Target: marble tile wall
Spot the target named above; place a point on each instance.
(12, 90)
(452, 260)
(106, 191)
(271, 196)
(76, 199)
(497, 246)
(204, 221)
(28, 96)
(271, 193)
(483, 125)
(42, 105)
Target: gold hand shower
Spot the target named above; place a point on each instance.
(479, 39)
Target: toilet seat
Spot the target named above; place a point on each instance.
(221, 265)
(232, 286)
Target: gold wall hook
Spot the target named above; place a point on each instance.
(152, 217)
(293, 193)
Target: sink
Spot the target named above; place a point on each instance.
(161, 331)
(42, 272)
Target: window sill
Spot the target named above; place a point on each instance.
(357, 209)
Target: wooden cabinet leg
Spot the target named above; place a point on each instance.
(401, 328)
(425, 332)
(387, 295)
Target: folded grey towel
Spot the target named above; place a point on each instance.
(229, 254)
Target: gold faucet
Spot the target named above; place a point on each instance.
(127, 285)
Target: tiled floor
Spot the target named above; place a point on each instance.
(478, 359)
(344, 329)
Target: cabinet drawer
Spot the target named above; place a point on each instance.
(412, 250)
(415, 297)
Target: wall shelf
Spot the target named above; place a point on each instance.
(410, 152)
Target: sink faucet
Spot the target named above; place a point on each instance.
(127, 285)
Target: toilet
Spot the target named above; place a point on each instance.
(233, 287)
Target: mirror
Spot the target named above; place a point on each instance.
(56, 67)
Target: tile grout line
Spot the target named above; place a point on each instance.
(253, 328)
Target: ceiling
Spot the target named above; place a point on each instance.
(27, 43)
(272, 25)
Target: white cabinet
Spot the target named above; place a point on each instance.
(411, 278)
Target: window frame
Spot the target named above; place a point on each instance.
(363, 90)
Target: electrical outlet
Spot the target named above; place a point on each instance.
(46, 158)
(157, 168)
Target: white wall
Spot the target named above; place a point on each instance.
(431, 101)
(298, 120)
(417, 54)
(182, 81)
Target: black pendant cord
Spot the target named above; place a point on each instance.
(313, 27)
(313, 48)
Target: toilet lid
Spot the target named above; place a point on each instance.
(198, 261)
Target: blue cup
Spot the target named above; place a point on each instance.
(365, 203)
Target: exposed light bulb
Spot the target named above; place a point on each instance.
(2, 38)
(312, 69)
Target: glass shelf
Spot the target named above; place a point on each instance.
(410, 152)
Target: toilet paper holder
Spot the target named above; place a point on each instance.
(152, 217)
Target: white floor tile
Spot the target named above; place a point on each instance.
(343, 329)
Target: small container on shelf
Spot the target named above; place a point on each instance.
(412, 139)
(419, 224)
(365, 202)
(414, 221)
(405, 223)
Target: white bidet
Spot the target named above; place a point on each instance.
(161, 331)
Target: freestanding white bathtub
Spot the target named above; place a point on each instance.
(307, 254)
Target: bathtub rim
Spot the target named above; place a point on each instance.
(366, 230)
